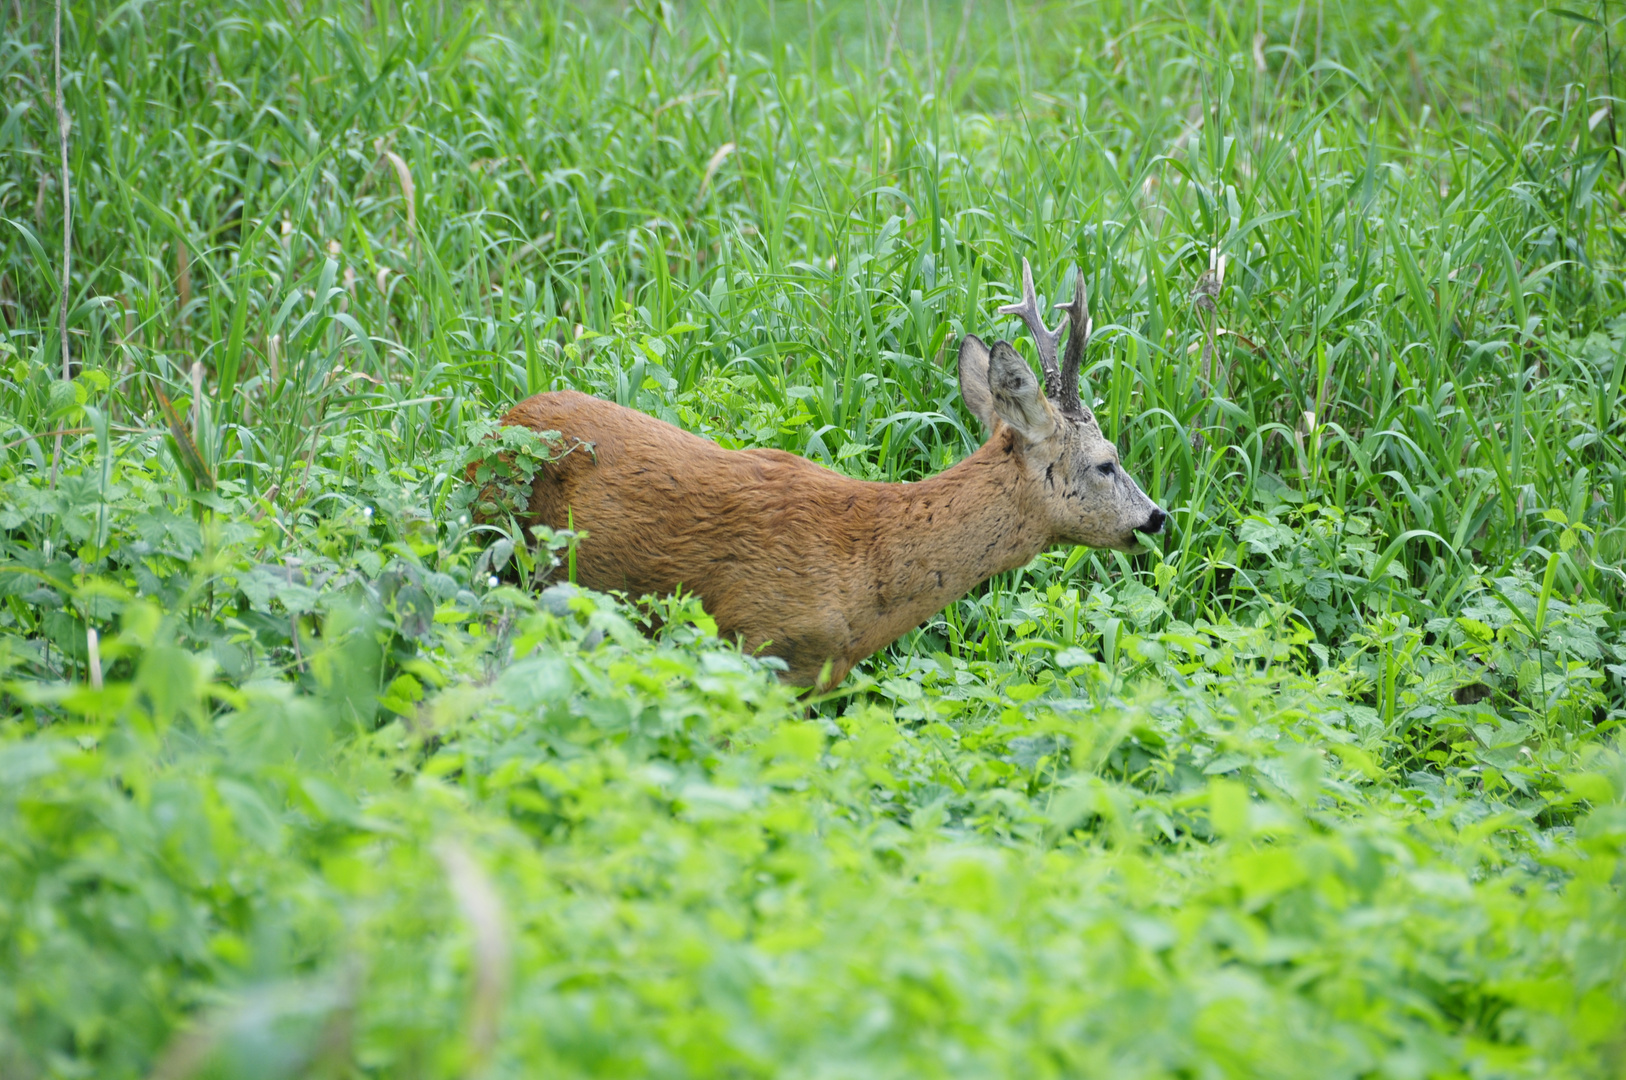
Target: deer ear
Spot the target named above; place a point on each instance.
(974, 380)
(1017, 398)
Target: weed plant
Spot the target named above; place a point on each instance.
(302, 773)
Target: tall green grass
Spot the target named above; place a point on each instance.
(340, 238)
(743, 218)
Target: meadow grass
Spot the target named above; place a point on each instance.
(1326, 784)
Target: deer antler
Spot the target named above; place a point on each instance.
(1046, 338)
(1060, 380)
(1078, 315)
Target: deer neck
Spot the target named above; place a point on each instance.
(942, 536)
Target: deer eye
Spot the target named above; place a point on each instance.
(1105, 468)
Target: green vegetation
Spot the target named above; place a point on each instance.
(303, 774)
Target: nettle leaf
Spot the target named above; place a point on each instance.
(1264, 536)
(505, 462)
(288, 586)
(1140, 604)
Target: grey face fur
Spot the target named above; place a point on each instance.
(1081, 489)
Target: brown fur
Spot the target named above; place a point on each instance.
(811, 566)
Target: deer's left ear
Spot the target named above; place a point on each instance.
(974, 380)
(1016, 395)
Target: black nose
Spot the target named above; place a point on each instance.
(1154, 524)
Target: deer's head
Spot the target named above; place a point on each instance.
(1071, 470)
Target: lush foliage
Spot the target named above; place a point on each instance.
(303, 772)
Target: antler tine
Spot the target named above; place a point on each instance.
(1078, 316)
(1046, 338)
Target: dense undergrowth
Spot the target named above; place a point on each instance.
(302, 773)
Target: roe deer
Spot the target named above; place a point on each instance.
(805, 564)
